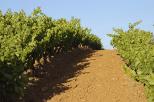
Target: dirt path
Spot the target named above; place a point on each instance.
(100, 79)
(104, 81)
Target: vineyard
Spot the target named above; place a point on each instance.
(25, 39)
(136, 47)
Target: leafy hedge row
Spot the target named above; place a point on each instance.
(137, 48)
(23, 39)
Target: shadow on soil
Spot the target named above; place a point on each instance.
(47, 81)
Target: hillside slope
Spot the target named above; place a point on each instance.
(94, 76)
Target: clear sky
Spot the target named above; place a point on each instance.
(99, 15)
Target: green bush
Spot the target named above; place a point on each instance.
(137, 49)
(23, 39)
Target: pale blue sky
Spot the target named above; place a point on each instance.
(99, 15)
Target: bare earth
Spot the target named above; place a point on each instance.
(95, 76)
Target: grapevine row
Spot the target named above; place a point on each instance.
(23, 39)
(136, 47)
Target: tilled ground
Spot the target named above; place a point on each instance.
(86, 76)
